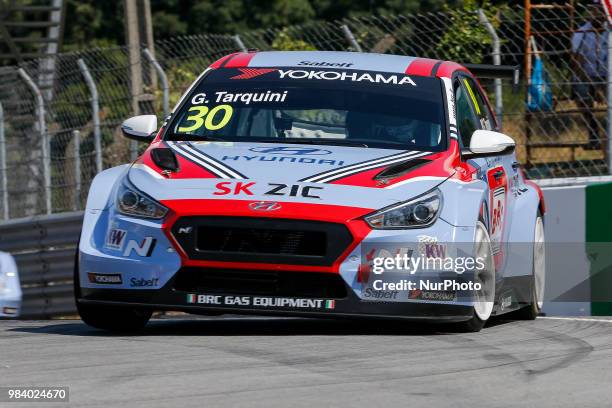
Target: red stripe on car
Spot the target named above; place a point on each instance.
(240, 61)
(447, 68)
(421, 66)
(220, 61)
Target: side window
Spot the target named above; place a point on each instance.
(485, 116)
(466, 120)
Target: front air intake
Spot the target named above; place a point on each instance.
(262, 240)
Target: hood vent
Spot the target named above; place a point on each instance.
(165, 159)
(400, 169)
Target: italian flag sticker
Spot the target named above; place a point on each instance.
(191, 298)
(330, 304)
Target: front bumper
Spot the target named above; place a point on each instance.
(10, 307)
(352, 306)
(134, 262)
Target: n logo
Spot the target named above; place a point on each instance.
(145, 248)
(115, 238)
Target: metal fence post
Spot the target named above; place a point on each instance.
(3, 183)
(351, 38)
(163, 79)
(499, 103)
(76, 139)
(45, 143)
(95, 112)
(239, 43)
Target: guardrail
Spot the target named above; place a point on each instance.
(44, 249)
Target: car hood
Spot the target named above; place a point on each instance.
(323, 174)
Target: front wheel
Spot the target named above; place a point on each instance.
(483, 298)
(531, 311)
(114, 318)
(111, 318)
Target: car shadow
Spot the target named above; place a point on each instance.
(251, 326)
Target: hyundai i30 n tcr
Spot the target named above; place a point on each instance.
(283, 183)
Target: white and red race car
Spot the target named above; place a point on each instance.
(309, 184)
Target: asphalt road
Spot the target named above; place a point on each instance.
(276, 362)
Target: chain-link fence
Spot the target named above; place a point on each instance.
(52, 146)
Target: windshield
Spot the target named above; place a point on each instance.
(297, 105)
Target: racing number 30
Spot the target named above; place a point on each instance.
(206, 117)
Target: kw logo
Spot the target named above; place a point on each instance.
(115, 238)
(145, 248)
(248, 73)
(435, 251)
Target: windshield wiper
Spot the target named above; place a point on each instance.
(197, 138)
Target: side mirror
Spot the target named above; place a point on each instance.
(485, 143)
(141, 128)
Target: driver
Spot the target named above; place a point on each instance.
(372, 126)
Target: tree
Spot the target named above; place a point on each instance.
(466, 39)
(93, 23)
(98, 23)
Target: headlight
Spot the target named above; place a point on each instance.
(419, 212)
(4, 282)
(130, 201)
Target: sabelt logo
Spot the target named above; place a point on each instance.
(105, 279)
(142, 282)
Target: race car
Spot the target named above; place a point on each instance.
(10, 287)
(317, 184)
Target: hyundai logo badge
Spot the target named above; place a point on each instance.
(291, 151)
(264, 206)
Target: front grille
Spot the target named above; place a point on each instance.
(265, 283)
(262, 240)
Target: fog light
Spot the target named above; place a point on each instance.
(9, 310)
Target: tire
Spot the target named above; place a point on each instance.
(532, 310)
(111, 318)
(474, 325)
(114, 318)
(484, 306)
